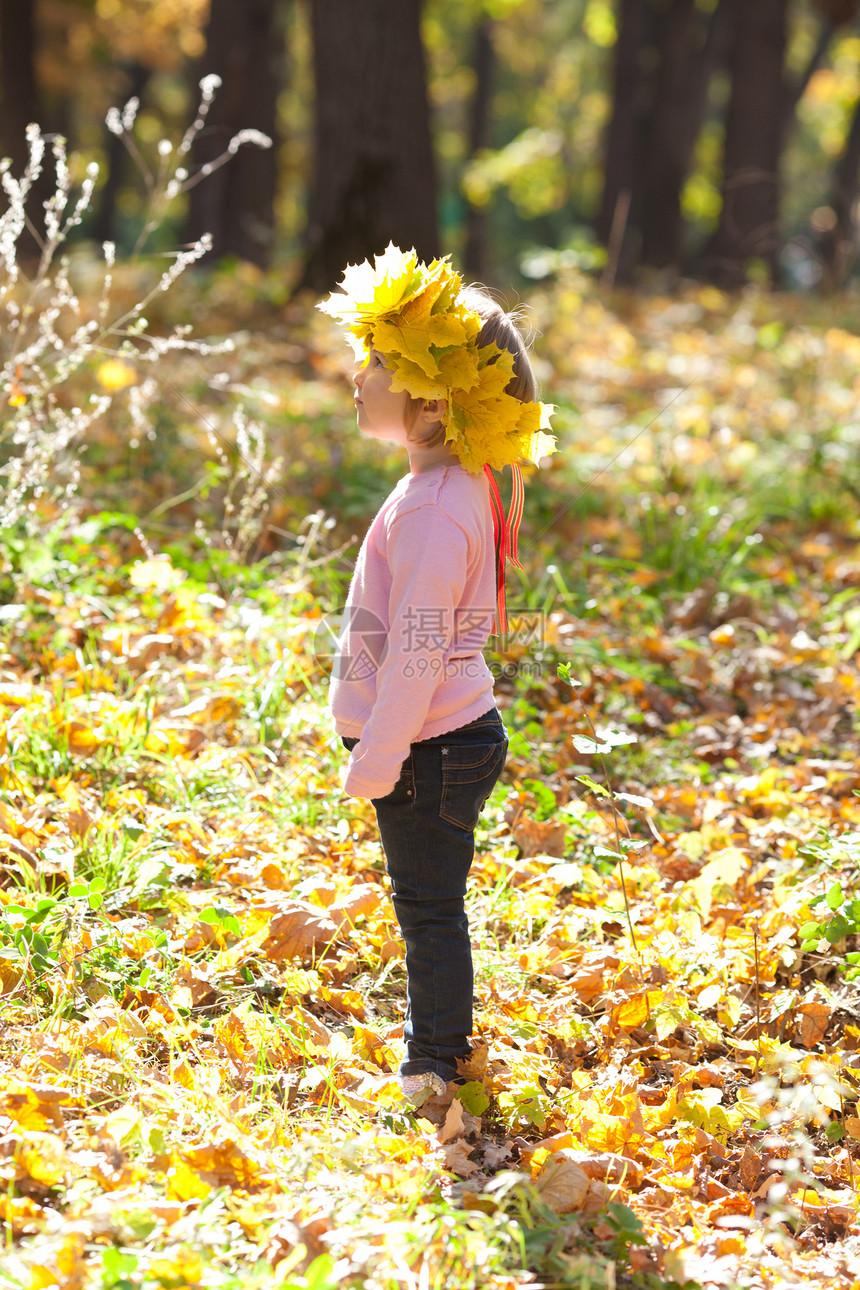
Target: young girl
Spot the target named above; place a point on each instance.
(445, 375)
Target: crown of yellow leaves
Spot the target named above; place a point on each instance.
(413, 315)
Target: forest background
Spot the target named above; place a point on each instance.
(701, 135)
(201, 983)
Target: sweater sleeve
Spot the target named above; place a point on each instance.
(428, 574)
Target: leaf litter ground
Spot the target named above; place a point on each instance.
(203, 985)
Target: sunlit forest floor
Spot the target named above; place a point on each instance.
(201, 981)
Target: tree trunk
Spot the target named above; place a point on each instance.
(20, 105)
(624, 135)
(104, 226)
(374, 174)
(483, 63)
(691, 45)
(841, 244)
(245, 47)
(749, 219)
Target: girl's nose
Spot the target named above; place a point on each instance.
(358, 376)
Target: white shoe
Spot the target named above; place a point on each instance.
(418, 1088)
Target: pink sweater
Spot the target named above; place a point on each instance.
(420, 607)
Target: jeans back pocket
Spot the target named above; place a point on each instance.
(469, 772)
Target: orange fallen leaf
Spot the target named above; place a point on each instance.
(364, 899)
(735, 1205)
(474, 1067)
(750, 1167)
(811, 1022)
(587, 983)
(297, 931)
(633, 1012)
(562, 1183)
(852, 1127)
(348, 1002)
(540, 837)
(16, 694)
(174, 740)
(309, 1029)
(21, 1214)
(222, 1162)
(83, 738)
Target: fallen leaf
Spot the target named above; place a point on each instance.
(749, 1167)
(634, 1012)
(496, 1153)
(453, 1126)
(811, 1022)
(598, 1196)
(309, 1029)
(223, 1162)
(540, 837)
(606, 1166)
(457, 1159)
(563, 1184)
(296, 932)
(16, 694)
(348, 1002)
(474, 1067)
(363, 900)
(42, 1157)
(587, 983)
(21, 1215)
(34, 1106)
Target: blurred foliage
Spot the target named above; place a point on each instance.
(201, 982)
(697, 431)
(540, 180)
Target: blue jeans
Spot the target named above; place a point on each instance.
(427, 826)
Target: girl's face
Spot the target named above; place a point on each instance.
(380, 413)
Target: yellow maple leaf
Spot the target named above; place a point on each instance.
(408, 377)
(417, 342)
(413, 314)
(376, 288)
(459, 369)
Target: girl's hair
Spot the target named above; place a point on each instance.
(500, 329)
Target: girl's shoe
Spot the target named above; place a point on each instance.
(418, 1088)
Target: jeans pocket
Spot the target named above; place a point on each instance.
(404, 789)
(469, 772)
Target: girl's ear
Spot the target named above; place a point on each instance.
(435, 409)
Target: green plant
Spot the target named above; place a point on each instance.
(696, 540)
(840, 856)
(841, 919)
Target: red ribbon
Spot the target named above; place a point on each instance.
(505, 534)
